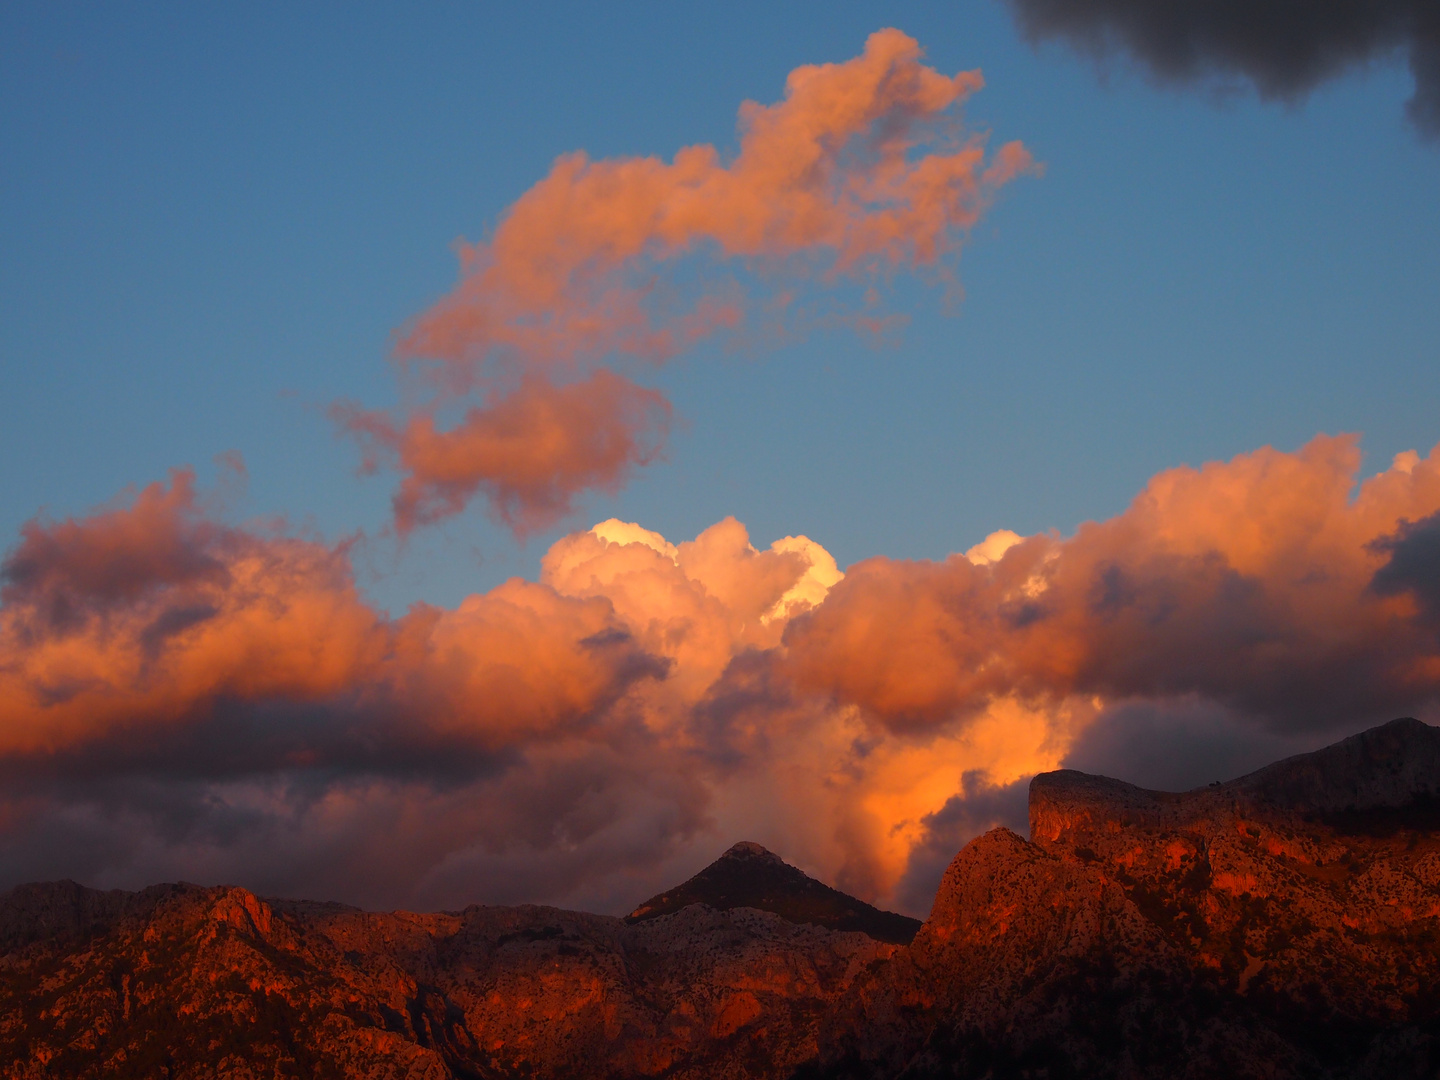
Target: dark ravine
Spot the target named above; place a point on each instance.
(1285, 924)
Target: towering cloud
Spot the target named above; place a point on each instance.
(1285, 48)
(185, 698)
(861, 170)
(1258, 583)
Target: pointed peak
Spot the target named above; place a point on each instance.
(748, 875)
(748, 849)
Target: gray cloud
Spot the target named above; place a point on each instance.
(1285, 48)
(1413, 566)
(979, 807)
(1183, 743)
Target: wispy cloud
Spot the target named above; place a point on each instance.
(861, 171)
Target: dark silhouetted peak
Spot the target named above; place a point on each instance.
(1387, 767)
(748, 849)
(749, 876)
(1393, 767)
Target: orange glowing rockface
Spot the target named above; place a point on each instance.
(1286, 924)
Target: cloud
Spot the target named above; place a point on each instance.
(1244, 582)
(172, 624)
(1285, 49)
(68, 570)
(977, 807)
(530, 451)
(131, 617)
(180, 697)
(861, 171)
(1177, 744)
(852, 172)
(219, 702)
(1413, 565)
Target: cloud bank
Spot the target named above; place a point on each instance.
(1285, 49)
(184, 698)
(861, 171)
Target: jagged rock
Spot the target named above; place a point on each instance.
(1286, 924)
(181, 981)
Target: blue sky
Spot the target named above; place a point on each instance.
(212, 223)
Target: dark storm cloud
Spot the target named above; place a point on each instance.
(979, 807)
(1414, 565)
(1181, 744)
(1284, 47)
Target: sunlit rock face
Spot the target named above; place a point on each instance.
(1285, 924)
(182, 981)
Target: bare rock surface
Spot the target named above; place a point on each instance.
(182, 981)
(1285, 924)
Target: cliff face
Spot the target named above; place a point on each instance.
(1283, 924)
(1286, 924)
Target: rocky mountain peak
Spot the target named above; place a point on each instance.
(748, 849)
(1285, 924)
(1387, 767)
(1393, 767)
(747, 875)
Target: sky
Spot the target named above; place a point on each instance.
(1168, 306)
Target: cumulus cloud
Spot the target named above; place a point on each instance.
(180, 697)
(860, 171)
(1284, 48)
(1245, 582)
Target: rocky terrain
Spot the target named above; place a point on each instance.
(181, 981)
(1285, 924)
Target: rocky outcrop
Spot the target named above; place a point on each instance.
(1286, 924)
(181, 981)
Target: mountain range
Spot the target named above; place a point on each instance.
(1284, 924)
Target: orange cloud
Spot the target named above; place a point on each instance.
(179, 693)
(1246, 582)
(130, 619)
(831, 175)
(859, 172)
(149, 618)
(531, 451)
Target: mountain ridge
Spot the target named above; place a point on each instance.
(1283, 924)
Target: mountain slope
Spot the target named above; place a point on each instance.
(1283, 925)
(181, 981)
(1286, 924)
(749, 876)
